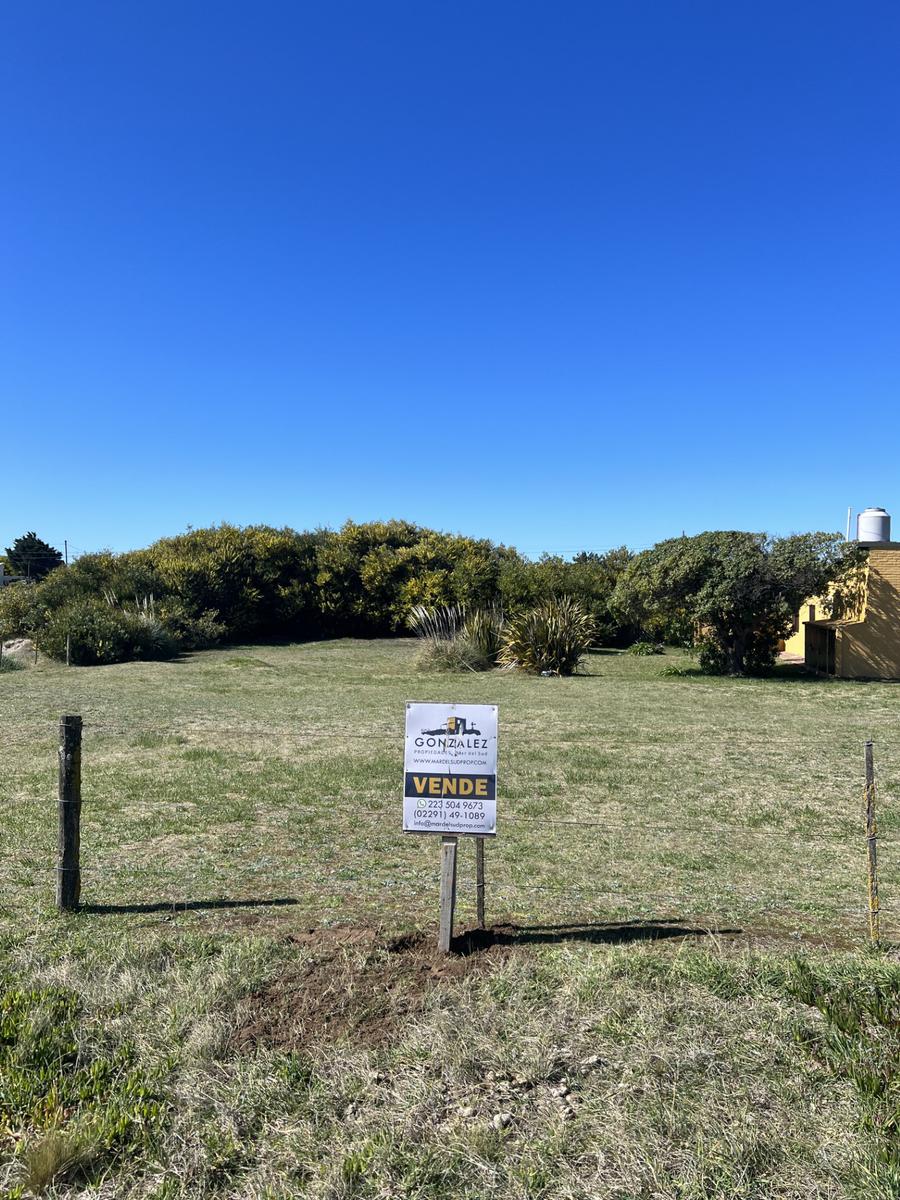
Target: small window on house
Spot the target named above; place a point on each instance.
(795, 623)
(812, 613)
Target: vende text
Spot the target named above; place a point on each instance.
(480, 787)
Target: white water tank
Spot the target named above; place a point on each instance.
(873, 525)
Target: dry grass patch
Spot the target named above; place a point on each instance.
(342, 1063)
(551, 1066)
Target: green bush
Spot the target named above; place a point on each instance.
(588, 578)
(548, 639)
(646, 648)
(22, 610)
(99, 632)
(257, 581)
(372, 576)
(150, 638)
(191, 632)
(228, 583)
(11, 662)
(124, 576)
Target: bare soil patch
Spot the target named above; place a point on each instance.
(363, 985)
(358, 985)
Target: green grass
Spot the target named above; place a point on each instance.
(237, 799)
(260, 773)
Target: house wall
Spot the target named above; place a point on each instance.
(796, 644)
(867, 644)
(870, 648)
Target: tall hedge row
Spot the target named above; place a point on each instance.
(228, 583)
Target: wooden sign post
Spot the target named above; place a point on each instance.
(479, 881)
(448, 892)
(450, 788)
(872, 846)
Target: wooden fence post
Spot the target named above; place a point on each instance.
(479, 881)
(448, 892)
(872, 845)
(68, 869)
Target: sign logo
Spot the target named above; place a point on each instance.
(455, 727)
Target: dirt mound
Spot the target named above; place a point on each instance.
(22, 648)
(358, 986)
(362, 986)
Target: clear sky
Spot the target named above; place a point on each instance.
(565, 275)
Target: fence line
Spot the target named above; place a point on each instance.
(501, 886)
(389, 730)
(337, 887)
(844, 837)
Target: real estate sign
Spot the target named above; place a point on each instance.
(450, 769)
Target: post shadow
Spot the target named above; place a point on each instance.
(471, 941)
(174, 906)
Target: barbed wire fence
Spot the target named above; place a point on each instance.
(511, 892)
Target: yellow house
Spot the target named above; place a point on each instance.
(864, 643)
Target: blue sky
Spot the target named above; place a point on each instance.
(563, 275)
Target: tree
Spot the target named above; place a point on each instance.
(739, 591)
(29, 555)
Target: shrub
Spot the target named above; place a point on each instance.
(99, 632)
(149, 638)
(453, 654)
(550, 638)
(96, 633)
(588, 578)
(258, 581)
(22, 612)
(646, 648)
(484, 630)
(228, 583)
(11, 662)
(370, 577)
(190, 632)
(441, 623)
(454, 641)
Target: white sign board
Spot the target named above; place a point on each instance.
(450, 769)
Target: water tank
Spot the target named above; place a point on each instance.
(873, 525)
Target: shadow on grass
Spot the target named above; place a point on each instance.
(797, 672)
(794, 673)
(185, 906)
(780, 673)
(604, 932)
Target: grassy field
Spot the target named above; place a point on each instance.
(274, 773)
(676, 999)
